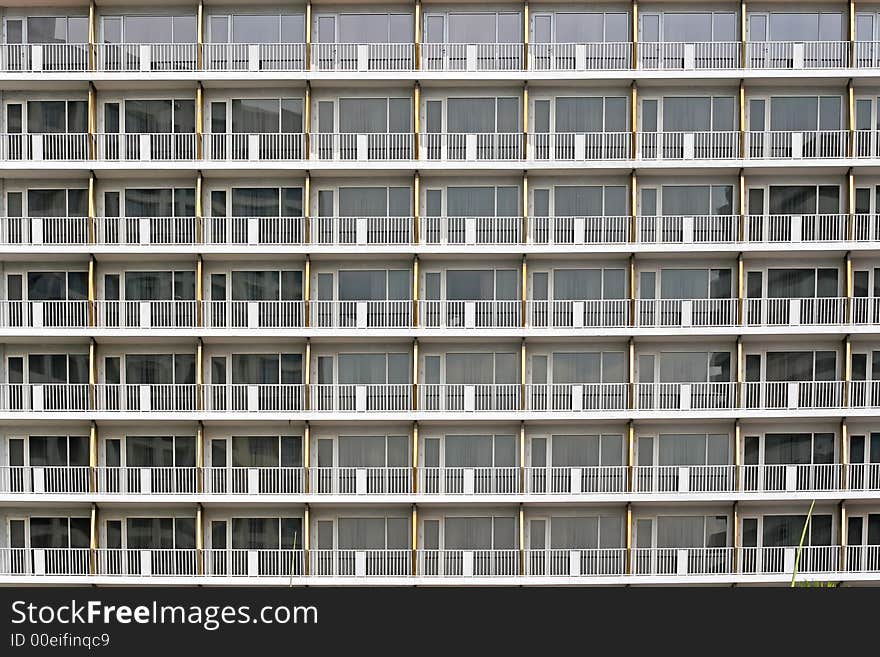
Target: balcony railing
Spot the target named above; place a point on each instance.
(361, 314)
(607, 56)
(361, 147)
(579, 146)
(797, 54)
(254, 314)
(471, 147)
(45, 561)
(690, 56)
(468, 563)
(253, 57)
(704, 145)
(44, 57)
(146, 398)
(262, 480)
(146, 147)
(147, 314)
(684, 479)
(576, 397)
(254, 563)
(803, 228)
(470, 314)
(471, 230)
(362, 231)
(686, 312)
(243, 231)
(679, 229)
(588, 562)
(61, 231)
(361, 563)
(254, 147)
(486, 480)
(792, 477)
(254, 398)
(142, 231)
(588, 313)
(791, 144)
(570, 231)
(361, 398)
(575, 480)
(685, 396)
(796, 312)
(363, 57)
(149, 562)
(361, 480)
(472, 57)
(44, 314)
(46, 146)
(460, 397)
(146, 57)
(793, 394)
(153, 480)
(39, 479)
(46, 397)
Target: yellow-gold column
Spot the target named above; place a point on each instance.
(200, 121)
(417, 35)
(415, 292)
(743, 33)
(740, 288)
(630, 455)
(307, 208)
(631, 373)
(525, 34)
(841, 534)
(415, 375)
(93, 457)
(848, 281)
(200, 289)
(851, 32)
(200, 377)
(417, 122)
(415, 457)
(92, 208)
(200, 34)
(307, 121)
(635, 34)
(93, 539)
(634, 121)
(307, 539)
(522, 541)
(850, 204)
(307, 375)
(93, 35)
(92, 120)
(92, 291)
(740, 372)
(736, 538)
(847, 369)
(524, 288)
(631, 274)
(417, 204)
(200, 456)
(522, 457)
(200, 539)
(308, 45)
(525, 208)
(307, 455)
(742, 118)
(743, 207)
(525, 125)
(844, 453)
(200, 208)
(307, 291)
(414, 527)
(633, 203)
(522, 374)
(737, 455)
(851, 117)
(629, 538)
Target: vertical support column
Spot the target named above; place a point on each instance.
(522, 541)
(307, 291)
(200, 539)
(308, 47)
(93, 35)
(307, 375)
(522, 374)
(417, 204)
(307, 539)
(415, 292)
(93, 380)
(307, 457)
(850, 205)
(415, 539)
(415, 375)
(525, 208)
(633, 203)
(415, 458)
(737, 455)
(847, 369)
(93, 457)
(635, 34)
(200, 121)
(844, 453)
(417, 33)
(630, 456)
(851, 117)
(525, 33)
(736, 538)
(740, 288)
(740, 372)
(200, 378)
(92, 291)
(307, 121)
(417, 120)
(852, 32)
(525, 124)
(92, 208)
(522, 457)
(634, 120)
(629, 538)
(743, 33)
(524, 289)
(742, 119)
(307, 208)
(848, 281)
(200, 208)
(93, 540)
(200, 457)
(631, 374)
(92, 120)
(200, 35)
(842, 537)
(631, 274)
(200, 289)
(743, 207)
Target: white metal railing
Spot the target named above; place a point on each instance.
(579, 146)
(686, 312)
(147, 314)
(469, 397)
(258, 562)
(361, 314)
(471, 230)
(44, 397)
(472, 56)
(576, 397)
(253, 398)
(584, 562)
(702, 145)
(146, 398)
(796, 228)
(681, 229)
(44, 57)
(44, 479)
(781, 560)
(148, 480)
(468, 563)
(572, 231)
(575, 480)
(360, 563)
(470, 314)
(147, 562)
(354, 480)
(45, 561)
(685, 396)
(140, 231)
(146, 147)
(684, 478)
(44, 314)
(794, 144)
(254, 480)
(603, 56)
(476, 480)
(254, 146)
(797, 54)
(60, 231)
(361, 398)
(791, 477)
(671, 55)
(145, 57)
(586, 313)
(363, 57)
(796, 312)
(866, 54)
(864, 394)
(862, 476)
(793, 394)
(683, 561)
(253, 57)
(361, 231)
(361, 147)
(470, 147)
(254, 314)
(45, 146)
(243, 231)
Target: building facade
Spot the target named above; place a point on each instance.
(439, 293)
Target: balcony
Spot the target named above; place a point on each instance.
(253, 147)
(472, 57)
(361, 398)
(470, 314)
(44, 57)
(363, 57)
(470, 147)
(146, 57)
(575, 231)
(580, 146)
(793, 395)
(254, 398)
(361, 147)
(797, 55)
(797, 145)
(701, 55)
(146, 314)
(470, 231)
(685, 396)
(229, 314)
(361, 480)
(678, 313)
(146, 147)
(361, 314)
(469, 480)
(362, 231)
(469, 398)
(275, 480)
(704, 145)
(587, 313)
(44, 314)
(253, 57)
(609, 56)
(47, 146)
(565, 480)
(576, 397)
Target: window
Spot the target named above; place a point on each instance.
(64, 29)
(588, 367)
(266, 369)
(481, 368)
(54, 116)
(481, 285)
(586, 450)
(694, 367)
(267, 451)
(801, 366)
